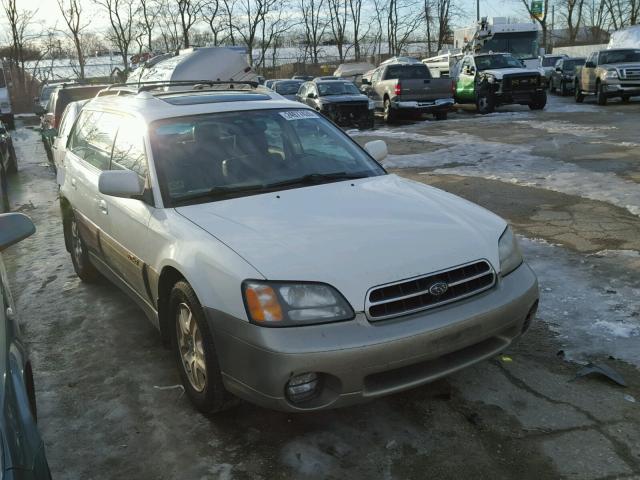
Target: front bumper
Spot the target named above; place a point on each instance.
(360, 360)
(632, 89)
(439, 105)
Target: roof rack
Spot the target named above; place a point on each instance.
(137, 87)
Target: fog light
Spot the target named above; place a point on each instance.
(303, 387)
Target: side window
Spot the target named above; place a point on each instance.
(303, 90)
(128, 149)
(592, 58)
(92, 139)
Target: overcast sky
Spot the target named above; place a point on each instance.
(49, 13)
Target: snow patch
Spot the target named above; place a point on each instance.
(468, 155)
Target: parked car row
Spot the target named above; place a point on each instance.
(234, 218)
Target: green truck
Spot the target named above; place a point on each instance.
(493, 79)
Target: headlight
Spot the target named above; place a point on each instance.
(285, 304)
(491, 79)
(611, 73)
(372, 105)
(510, 255)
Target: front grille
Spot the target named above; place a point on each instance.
(520, 82)
(631, 73)
(413, 295)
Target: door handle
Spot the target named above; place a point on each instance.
(73, 184)
(102, 206)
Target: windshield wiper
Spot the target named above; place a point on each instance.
(316, 178)
(219, 192)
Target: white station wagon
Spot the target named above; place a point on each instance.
(276, 256)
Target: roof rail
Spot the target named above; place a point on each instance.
(138, 87)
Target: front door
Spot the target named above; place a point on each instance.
(126, 231)
(465, 86)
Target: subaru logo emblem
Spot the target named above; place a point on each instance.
(438, 288)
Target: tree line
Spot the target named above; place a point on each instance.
(357, 29)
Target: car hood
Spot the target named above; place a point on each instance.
(620, 66)
(499, 73)
(343, 98)
(352, 234)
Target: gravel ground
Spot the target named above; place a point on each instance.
(566, 178)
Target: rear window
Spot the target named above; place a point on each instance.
(407, 72)
(550, 61)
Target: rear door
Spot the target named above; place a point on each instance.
(88, 154)
(125, 236)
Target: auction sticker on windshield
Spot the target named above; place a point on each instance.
(298, 114)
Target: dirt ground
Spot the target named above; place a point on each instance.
(566, 178)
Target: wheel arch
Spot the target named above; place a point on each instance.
(169, 276)
(66, 210)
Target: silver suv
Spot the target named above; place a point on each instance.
(276, 255)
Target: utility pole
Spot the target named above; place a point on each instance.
(478, 10)
(553, 23)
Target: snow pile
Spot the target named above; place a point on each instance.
(626, 38)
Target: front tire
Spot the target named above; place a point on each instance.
(79, 252)
(440, 115)
(539, 101)
(195, 352)
(601, 95)
(579, 96)
(485, 103)
(12, 167)
(563, 89)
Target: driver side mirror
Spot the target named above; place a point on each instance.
(558, 69)
(311, 95)
(120, 183)
(377, 149)
(14, 227)
(590, 65)
(366, 81)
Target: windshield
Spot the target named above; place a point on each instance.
(337, 88)
(225, 155)
(288, 88)
(619, 56)
(549, 61)
(407, 72)
(494, 62)
(570, 65)
(520, 44)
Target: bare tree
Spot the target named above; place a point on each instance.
(168, 20)
(72, 13)
(541, 21)
(380, 9)
(189, 11)
(355, 8)
(597, 18)
(314, 25)
(272, 28)
(252, 15)
(149, 13)
(19, 21)
(213, 13)
(444, 12)
(122, 14)
(571, 12)
(403, 18)
(338, 14)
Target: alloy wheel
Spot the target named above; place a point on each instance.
(76, 243)
(190, 347)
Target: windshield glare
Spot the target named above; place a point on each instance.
(237, 150)
(337, 88)
(620, 56)
(288, 88)
(493, 62)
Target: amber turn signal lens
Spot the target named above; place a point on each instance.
(263, 304)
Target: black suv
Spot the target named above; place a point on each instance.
(339, 100)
